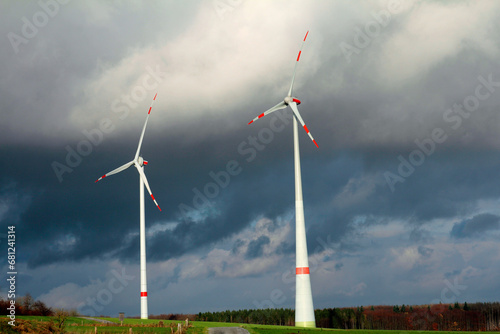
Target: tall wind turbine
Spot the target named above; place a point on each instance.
(304, 310)
(139, 164)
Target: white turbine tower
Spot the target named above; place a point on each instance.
(139, 164)
(304, 309)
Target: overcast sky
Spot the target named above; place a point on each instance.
(401, 198)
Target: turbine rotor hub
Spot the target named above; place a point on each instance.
(290, 99)
(142, 162)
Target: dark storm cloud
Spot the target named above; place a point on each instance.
(416, 201)
(361, 117)
(69, 213)
(478, 225)
(255, 247)
(285, 248)
(442, 188)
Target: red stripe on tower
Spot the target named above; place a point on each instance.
(298, 57)
(302, 271)
(306, 35)
(144, 294)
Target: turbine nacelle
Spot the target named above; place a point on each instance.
(142, 162)
(290, 99)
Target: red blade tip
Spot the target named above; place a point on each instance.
(102, 177)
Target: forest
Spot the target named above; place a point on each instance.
(440, 317)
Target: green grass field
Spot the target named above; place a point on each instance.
(84, 326)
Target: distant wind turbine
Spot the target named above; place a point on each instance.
(139, 164)
(304, 310)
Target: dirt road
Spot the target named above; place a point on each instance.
(227, 330)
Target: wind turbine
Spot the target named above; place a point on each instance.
(139, 164)
(304, 309)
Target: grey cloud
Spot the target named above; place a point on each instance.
(452, 274)
(425, 251)
(477, 226)
(418, 235)
(255, 247)
(285, 248)
(237, 246)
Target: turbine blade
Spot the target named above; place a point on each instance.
(145, 180)
(280, 105)
(296, 63)
(118, 170)
(293, 105)
(144, 129)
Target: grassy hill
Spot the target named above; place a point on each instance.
(42, 325)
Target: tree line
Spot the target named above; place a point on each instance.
(26, 305)
(443, 317)
(280, 317)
